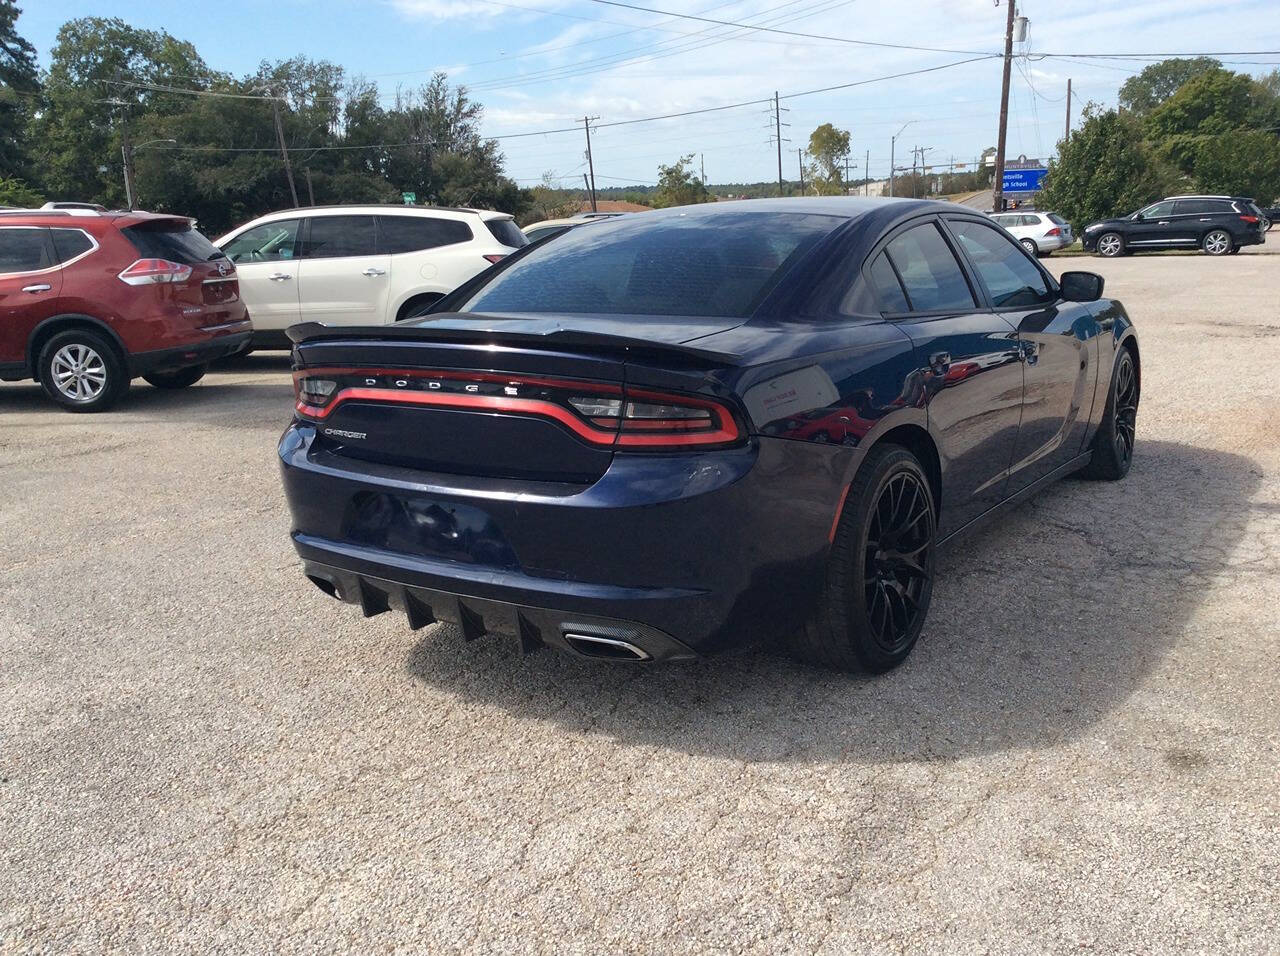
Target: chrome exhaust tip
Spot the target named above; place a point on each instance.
(600, 647)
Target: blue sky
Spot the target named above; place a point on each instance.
(541, 64)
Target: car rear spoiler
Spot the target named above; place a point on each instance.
(308, 332)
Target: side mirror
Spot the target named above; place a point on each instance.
(1138, 217)
(1081, 286)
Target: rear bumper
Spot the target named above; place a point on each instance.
(1053, 243)
(232, 341)
(677, 555)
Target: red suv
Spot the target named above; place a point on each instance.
(90, 300)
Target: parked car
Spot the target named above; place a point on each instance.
(363, 264)
(90, 300)
(549, 227)
(1272, 215)
(603, 445)
(1039, 232)
(1220, 225)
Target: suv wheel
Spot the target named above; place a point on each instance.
(81, 371)
(1218, 242)
(177, 377)
(1110, 244)
(1030, 246)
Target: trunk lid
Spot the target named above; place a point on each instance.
(523, 397)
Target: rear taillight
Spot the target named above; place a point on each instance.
(1055, 231)
(152, 271)
(600, 414)
(1251, 220)
(495, 257)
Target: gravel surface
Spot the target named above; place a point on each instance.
(198, 751)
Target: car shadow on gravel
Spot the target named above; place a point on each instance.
(1039, 626)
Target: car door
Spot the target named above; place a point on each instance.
(969, 375)
(343, 279)
(30, 281)
(266, 258)
(1152, 226)
(1058, 342)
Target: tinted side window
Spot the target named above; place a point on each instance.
(1159, 210)
(334, 236)
(269, 242)
(1010, 277)
(930, 273)
(23, 250)
(507, 232)
(412, 233)
(69, 243)
(887, 287)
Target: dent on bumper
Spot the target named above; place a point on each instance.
(692, 553)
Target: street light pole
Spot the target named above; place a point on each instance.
(892, 141)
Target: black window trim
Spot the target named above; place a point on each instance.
(965, 270)
(987, 302)
(50, 251)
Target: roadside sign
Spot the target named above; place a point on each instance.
(409, 198)
(1022, 180)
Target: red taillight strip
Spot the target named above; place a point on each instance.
(489, 403)
(509, 378)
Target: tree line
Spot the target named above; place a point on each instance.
(1182, 125)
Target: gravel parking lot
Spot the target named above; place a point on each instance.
(199, 751)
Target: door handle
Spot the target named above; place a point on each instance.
(1163, 222)
(1206, 219)
(372, 271)
(42, 287)
(279, 276)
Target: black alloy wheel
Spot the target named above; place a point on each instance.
(879, 575)
(1117, 433)
(898, 564)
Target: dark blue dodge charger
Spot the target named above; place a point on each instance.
(659, 436)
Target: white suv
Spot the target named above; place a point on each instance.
(1039, 232)
(359, 265)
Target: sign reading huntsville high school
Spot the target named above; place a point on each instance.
(409, 198)
(1023, 175)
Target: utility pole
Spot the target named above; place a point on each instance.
(1066, 133)
(997, 187)
(800, 163)
(284, 152)
(586, 185)
(777, 129)
(892, 142)
(591, 184)
(702, 164)
(311, 193)
(846, 174)
(866, 175)
(126, 151)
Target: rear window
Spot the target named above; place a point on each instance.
(507, 232)
(175, 241)
(69, 243)
(721, 265)
(412, 233)
(1056, 219)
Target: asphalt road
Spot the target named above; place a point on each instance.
(200, 752)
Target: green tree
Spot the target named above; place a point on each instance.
(1142, 93)
(15, 192)
(677, 186)
(1106, 169)
(1214, 103)
(1242, 164)
(19, 85)
(828, 148)
(548, 201)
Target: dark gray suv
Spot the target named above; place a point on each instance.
(1220, 225)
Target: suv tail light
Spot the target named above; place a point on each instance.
(495, 257)
(151, 271)
(1251, 220)
(601, 415)
(1055, 231)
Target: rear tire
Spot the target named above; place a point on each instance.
(1110, 245)
(1217, 243)
(879, 574)
(1114, 442)
(1031, 247)
(82, 372)
(177, 378)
